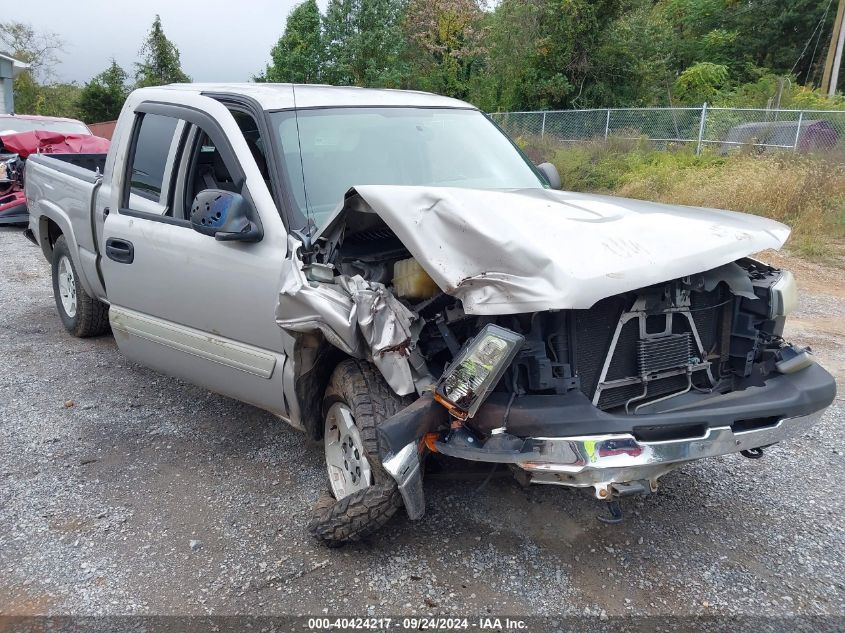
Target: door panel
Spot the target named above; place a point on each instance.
(195, 307)
(251, 360)
(195, 298)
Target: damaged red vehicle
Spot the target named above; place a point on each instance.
(22, 135)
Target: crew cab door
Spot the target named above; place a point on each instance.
(183, 302)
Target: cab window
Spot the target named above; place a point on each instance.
(149, 161)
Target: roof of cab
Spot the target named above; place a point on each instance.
(281, 96)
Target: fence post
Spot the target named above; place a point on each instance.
(701, 128)
(607, 124)
(798, 131)
(543, 126)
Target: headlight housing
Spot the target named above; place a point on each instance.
(476, 370)
(783, 297)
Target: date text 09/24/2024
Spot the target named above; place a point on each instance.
(417, 623)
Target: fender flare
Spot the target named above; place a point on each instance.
(63, 222)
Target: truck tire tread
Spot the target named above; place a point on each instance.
(354, 517)
(361, 386)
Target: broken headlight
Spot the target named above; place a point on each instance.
(783, 297)
(476, 370)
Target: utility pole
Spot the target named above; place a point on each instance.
(833, 62)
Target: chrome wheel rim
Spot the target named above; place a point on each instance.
(67, 286)
(349, 469)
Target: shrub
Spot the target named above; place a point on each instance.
(807, 192)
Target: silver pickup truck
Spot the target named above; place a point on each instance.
(387, 272)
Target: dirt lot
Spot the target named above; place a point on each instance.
(100, 502)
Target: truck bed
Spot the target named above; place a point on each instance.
(61, 188)
(91, 162)
(86, 167)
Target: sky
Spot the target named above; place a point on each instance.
(219, 40)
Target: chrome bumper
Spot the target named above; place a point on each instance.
(603, 460)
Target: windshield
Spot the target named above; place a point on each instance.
(9, 125)
(345, 147)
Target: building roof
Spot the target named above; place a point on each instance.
(285, 96)
(17, 65)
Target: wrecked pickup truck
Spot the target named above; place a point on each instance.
(386, 271)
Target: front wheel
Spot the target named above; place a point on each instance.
(81, 314)
(363, 495)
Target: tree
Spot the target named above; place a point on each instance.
(515, 41)
(448, 43)
(746, 35)
(36, 91)
(102, 98)
(298, 55)
(540, 54)
(701, 82)
(631, 61)
(364, 43)
(160, 63)
(38, 49)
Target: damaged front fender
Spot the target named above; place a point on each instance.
(359, 317)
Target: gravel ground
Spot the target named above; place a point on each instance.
(151, 496)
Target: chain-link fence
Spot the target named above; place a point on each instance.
(721, 129)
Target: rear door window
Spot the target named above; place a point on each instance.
(151, 162)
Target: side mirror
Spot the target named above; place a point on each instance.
(550, 172)
(224, 215)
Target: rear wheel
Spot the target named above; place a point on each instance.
(81, 314)
(363, 495)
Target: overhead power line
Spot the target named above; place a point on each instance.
(812, 35)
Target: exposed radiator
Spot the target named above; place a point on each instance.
(634, 357)
(663, 352)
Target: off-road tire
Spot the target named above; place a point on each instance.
(354, 517)
(361, 387)
(92, 315)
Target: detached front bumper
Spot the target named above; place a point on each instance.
(601, 461)
(564, 440)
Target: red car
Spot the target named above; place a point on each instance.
(22, 135)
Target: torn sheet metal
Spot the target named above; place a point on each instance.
(505, 252)
(733, 275)
(359, 317)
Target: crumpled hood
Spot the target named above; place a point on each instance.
(503, 252)
(46, 142)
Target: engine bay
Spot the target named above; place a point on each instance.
(704, 333)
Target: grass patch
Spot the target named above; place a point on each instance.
(804, 191)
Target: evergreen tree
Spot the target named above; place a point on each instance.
(160, 63)
(298, 55)
(102, 98)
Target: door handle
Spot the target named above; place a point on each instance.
(120, 250)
